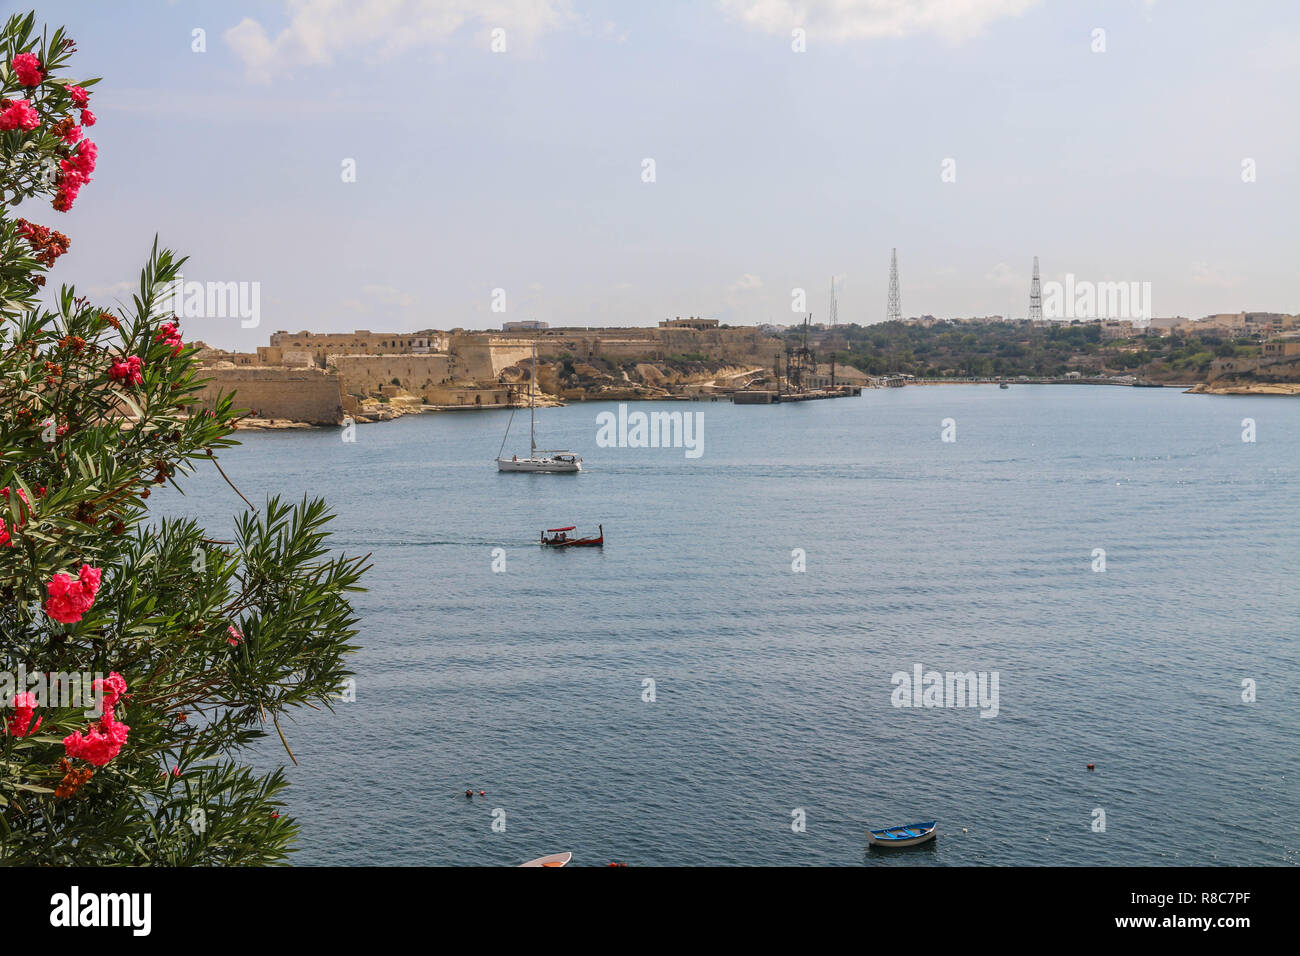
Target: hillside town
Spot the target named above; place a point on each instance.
(323, 378)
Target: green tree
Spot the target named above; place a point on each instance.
(201, 644)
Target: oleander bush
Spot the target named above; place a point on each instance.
(139, 658)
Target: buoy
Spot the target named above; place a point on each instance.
(1091, 767)
(482, 793)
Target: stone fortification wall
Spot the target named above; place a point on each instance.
(302, 395)
(368, 374)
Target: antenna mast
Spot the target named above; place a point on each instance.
(895, 311)
(1035, 296)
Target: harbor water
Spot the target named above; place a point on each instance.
(717, 685)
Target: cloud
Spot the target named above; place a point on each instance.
(320, 30)
(1212, 276)
(1004, 277)
(746, 283)
(118, 291)
(841, 20)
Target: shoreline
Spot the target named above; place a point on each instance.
(398, 411)
(1278, 389)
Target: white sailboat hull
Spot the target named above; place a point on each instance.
(551, 461)
(551, 466)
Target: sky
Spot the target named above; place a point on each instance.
(789, 145)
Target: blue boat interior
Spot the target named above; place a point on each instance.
(908, 832)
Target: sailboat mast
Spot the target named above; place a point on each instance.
(532, 408)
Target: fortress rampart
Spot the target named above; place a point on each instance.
(301, 395)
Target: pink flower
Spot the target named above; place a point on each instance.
(104, 740)
(85, 157)
(76, 170)
(88, 118)
(19, 115)
(176, 771)
(128, 370)
(20, 724)
(72, 135)
(79, 96)
(113, 687)
(23, 511)
(100, 743)
(170, 335)
(28, 69)
(22, 495)
(235, 637)
(69, 599)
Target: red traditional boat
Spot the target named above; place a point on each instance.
(559, 538)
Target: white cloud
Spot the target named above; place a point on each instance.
(746, 283)
(118, 291)
(320, 30)
(1004, 277)
(839, 20)
(1212, 276)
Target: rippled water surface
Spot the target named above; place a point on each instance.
(774, 687)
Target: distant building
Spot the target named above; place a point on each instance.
(1284, 346)
(320, 345)
(688, 323)
(1112, 329)
(527, 325)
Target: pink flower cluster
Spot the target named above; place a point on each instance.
(76, 170)
(70, 598)
(235, 638)
(127, 370)
(80, 98)
(27, 67)
(23, 510)
(170, 335)
(103, 741)
(20, 724)
(18, 114)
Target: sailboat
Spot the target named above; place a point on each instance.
(539, 460)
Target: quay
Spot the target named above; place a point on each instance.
(761, 397)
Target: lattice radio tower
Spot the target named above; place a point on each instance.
(1035, 296)
(895, 310)
(835, 309)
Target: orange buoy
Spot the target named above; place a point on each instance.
(1091, 767)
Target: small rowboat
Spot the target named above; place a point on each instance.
(910, 835)
(555, 859)
(559, 538)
